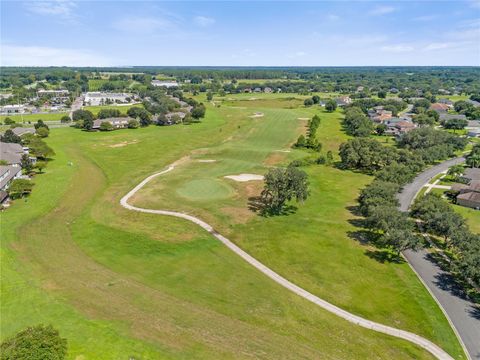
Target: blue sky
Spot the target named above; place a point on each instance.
(243, 33)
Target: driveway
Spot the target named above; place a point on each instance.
(463, 313)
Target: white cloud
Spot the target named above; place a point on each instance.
(15, 55)
(62, 8)
(399, 48)
(203, 21)
(351, 40)
(141, 25)
(382, 10)
(333, 17)
(437, 46)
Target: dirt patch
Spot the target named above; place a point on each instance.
(274, 158)
(257, 115)
(245, 177)
(207, 160)
(238, 215)
(123, 143)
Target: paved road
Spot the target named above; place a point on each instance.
(464, 315)
(416, 339)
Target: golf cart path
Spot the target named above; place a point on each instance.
(460, 311)
(413, 338)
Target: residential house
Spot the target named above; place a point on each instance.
(474, 103)
(343, 100)
(19, 131)
(165, 83)
(379, 115)
(439, 107)
(12, 109)
(247, 90)
(12, 153)
(360, 89)
(445, 117)
(268, 90)
(446, 102)
(257, 90)
(470, 174)
(394, 90)
(398, 126)
(475, 133)
(117, 123)
(469, 194)
(8, 173)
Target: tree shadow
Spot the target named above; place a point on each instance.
(355, 210)
(474, 311)
(257, 205)
(448, 283)
(364, 237)
(384, 255)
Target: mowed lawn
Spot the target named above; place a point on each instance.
(120, 284)
(314, 247)
(32, 118)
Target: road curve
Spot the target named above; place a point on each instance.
(461, 312)
(413, 338)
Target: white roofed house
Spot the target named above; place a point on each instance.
(165, 83)
(12, 109)
(100, 98)
(343, 100)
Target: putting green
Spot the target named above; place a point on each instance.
(205, 189)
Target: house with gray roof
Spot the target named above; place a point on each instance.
(8, 173)
(11, 153)
(445, 117)
(474, 103)
(19, 131)
(116, 122)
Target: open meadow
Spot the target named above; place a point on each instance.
(120, 284)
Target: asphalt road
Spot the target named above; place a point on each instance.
(463, 313)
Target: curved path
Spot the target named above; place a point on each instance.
(416, 339)
(461, 312)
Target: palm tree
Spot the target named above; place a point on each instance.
(455, 171)
(473, 160)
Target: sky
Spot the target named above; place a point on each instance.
(239, 33)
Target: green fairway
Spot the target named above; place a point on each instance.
(121, 284)
(204, 189)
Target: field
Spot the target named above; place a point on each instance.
(32, 118)
(96, 109)
(120, 284)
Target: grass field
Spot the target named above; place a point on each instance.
(96, 109)
(34, 117)
(120, 284)
(274, 240)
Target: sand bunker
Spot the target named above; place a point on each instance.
(123, 143)
(253, 99)
(256, 115)
(284, 151)
(206, 160)
(245, 177)
(303, 118)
